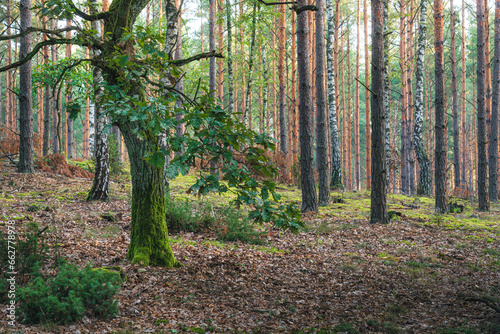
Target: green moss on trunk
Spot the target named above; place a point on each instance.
(149, 241)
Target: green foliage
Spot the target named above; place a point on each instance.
(229, 223)
(115, 166)
(65, 298)
(184, 216)
(30, 253)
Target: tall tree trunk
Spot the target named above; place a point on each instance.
(309, 199)
(367, 101)
(25, 95)
(336, 179)
(357, 166)
(295, 127)
(321, 107)
(441, 119)
(378, 210)
(495, 109)
(179, 86)
(55, 102)
(424, 181)
(409, 90)
(229, 57)
(100, 186)
(387, 94)
(404, 104)
(220, 61)
(456, 120)
(69, 121)
(348, 111)
(464, 99)
(9, 87)
(265, 113)
(281, 76)
(212, 77)
(248, 108)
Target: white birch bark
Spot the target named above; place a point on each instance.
(336, 179)
(424, 182)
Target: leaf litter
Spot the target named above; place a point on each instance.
(404, 277)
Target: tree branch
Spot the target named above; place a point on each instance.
(277, 3)
(304, 8)
(180, 62)
(34, 29)
(88, 17)
(362, 84)
(36, 49)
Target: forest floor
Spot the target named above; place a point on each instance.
(339, 275)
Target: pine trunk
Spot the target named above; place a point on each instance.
(367, 101)
(25, 95)
(309, 199)
(229, 57)
(464, 100)
(482, 163)
(378, 210)
(248, 108)
(321, 109)
(456, 119)
(281, 77)
(295, 126)
(441, 119)
(357, 166)
(495, 109)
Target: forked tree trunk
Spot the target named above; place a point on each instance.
(25, 95)
(424, 181)
(441, 120)
(309, 199)
(482, 164)
(336, 179)
(378, 209)
(321, 107)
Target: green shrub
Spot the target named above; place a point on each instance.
(234, 227)
(31, 253)
(229, 223)
(66, 297)
(184, 216)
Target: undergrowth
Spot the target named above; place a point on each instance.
(228, 223)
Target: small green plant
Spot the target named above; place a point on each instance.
(30, 253)
(235, 228)
(184, 216)
(66, 297)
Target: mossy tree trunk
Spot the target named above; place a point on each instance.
(149, 241)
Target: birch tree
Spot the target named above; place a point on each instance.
(336, 179)
(424, 182)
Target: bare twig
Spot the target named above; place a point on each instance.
(488, 301)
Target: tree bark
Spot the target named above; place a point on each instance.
(295, 126)
(441, 121)
(321, 125)
(25, 95)
(367, 100)
(424, 181)
(357, 166)
(464, 100)
(336, 179)
(100, 186)
(229, 57)
(309, 199)
(456, 119)
(495, 109)
(378, 209)
(248, 106)
(281, 77)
